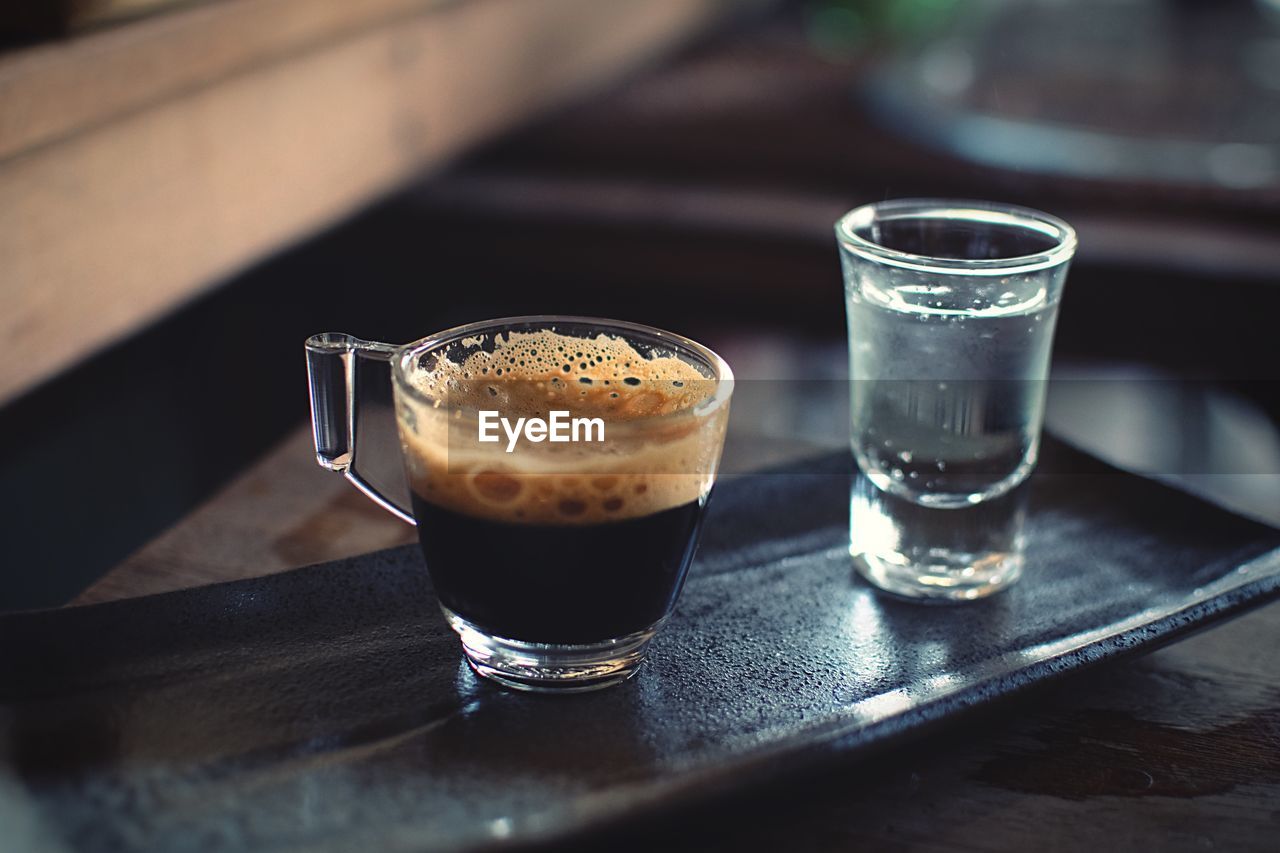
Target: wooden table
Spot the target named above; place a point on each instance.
(223, 131)
(1177, 750)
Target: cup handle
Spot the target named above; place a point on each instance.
(332, 374)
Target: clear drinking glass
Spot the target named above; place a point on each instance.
(556, 560)
(951, 308)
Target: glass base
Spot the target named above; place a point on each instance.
(927, 553)
(551, 667)
(948, 577)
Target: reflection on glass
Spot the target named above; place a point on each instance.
(927, 552)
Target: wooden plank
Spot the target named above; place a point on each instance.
(104, 230)
(1106, 238)
(52, 90)
(284, 512)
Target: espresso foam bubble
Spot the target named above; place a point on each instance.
(654, 465)
(530, 373)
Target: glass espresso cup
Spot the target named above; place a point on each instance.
(559, 468)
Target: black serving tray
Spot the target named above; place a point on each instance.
(329, 708)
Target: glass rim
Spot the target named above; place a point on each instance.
(963, 210)
(405, 354)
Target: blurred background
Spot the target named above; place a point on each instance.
(189, 189)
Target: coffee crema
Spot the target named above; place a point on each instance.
(661, 442)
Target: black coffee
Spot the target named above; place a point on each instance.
(559, 543)
(558, 583)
